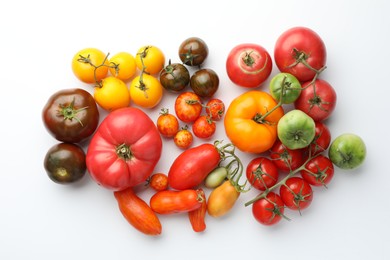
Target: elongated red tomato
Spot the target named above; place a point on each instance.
(197, 216)
(137, 212)
(192, 166)
(172, 201)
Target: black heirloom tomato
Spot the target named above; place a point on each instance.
(71, 115)
(204, 82)
(193, 51)
(65, 163)
(174, 77)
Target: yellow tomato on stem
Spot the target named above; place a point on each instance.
(122, 66)
(112, 93)
(90, 65)
(146, 91)
(150, 59)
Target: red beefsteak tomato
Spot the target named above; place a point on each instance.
(124, 150)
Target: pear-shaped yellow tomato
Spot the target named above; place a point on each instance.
(251, 121)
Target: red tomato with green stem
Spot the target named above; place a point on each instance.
(204, 127)
(188, 106)
(296, 193)
(248, 65)
(321, 140)
(318, 171)
(215, 108)
(167, 124)
(268, 210)
(286, 159)
(262, 173)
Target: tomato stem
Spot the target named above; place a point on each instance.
(69, 112)
(124, 152)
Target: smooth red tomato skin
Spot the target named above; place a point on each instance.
(318, 102)
(263, 209)
(320, 171)
(192, 166)
(262, 173)
(204, 127)
(303, 40)
(124, 150)
(321, 140)
(248, 65)
(173, 201)
(296, 193)
(286, 159)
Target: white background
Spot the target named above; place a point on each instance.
(41, 219)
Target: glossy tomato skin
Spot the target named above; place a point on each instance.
(300, 43)
(71, 115)
(268, 211)
(193, 51)
(262, 173)
(151, 59)
(173, 201)
(318, 171)
(321, 140)
(188, 106)
(286, 159)
(222, 199)
(204, 127)
(112, 93)
(167, 124)
(192, 166)
(158, 181)
(174, 77)
(215, 108)
(248, 65)
(242, 121)
(204, 82)
(197, 216)
(86, 65)
(183, 138)
(296, 194)
(146, 93)
(65, 163)
(124, 150)
(318, 100)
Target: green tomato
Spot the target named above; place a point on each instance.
(296, 129)
(286, 87)
(216, 177)
(347, 151)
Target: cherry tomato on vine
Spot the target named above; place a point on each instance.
(318, 171)
(167, 124)
(204, 127)
(321, 140)
(122, 66)
(301, 52)
(112, 93)
(90, 65)
(188, 106)
(285, 87)
(193, 51)
(286, 159)
(215, 108)
(158, 181)
(146, 91)
(296, 193)
(248, 65)
(183, 138)
(204, 82)
(269, 210)
(262, 173)
(174, 77)
(151, 59)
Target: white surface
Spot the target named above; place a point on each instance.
(40, 219)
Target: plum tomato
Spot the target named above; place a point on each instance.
(112, 93)
(183, 138)
(318, 171)
(71, 115)
(204, 82)
(321, 139)
(286, 159)
(317, 99)
(150, 59)
(167, 124)
(296, 193)
(174, 77)
(248, 65)
(193, 51)
(204, 127)
(215, 108)
(188, 106)
(269, 210)
(285, 88)
(65, 163)
(158, 181)
(122, 66)
(301, 52)
(262, 173)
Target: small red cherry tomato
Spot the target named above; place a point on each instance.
(318, 171)
(167, 124)
(215, 108)
(321, 140)
(188, 107)
(262, 173)
(286, 159)
(296, 193)
(158, 181)
(204, 127)
(269, 210)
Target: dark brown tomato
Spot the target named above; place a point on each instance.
(193, 51)
(174, 77)
(204, 82)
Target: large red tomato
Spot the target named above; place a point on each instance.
(124, 150)
(248, 65)
(301, 52)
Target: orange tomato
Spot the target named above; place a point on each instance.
(146, 93)
(122, 66)
(112, 93)
(151, 58)
(86, 61)
(244, 123)
(197, 216)
(222, 199)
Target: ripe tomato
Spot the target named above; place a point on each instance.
(269, 210)
(286, 159)
(245, 125)
(215, 108)
(321, 140)
(112, 93)
(193, 51)
(204, 82)
(317, 99)
(122, 66)
(71, 115)
(301, 52)
(296, 193)
(172, 201)
(146, 91)
(318, 171)
(248, 65)
(167, 124)
(188, 106)
(158, 181)
(197, 216)
(262, 173)
(204, 127)
(90, 65)
(151, 59)
(174, 77)
(183, 138)
(192, 166)
(222, 199)
(124, 150)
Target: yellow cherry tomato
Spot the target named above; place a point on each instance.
(90, 65)
(151, 58)
(122, 65)
(112, 93)
(146, 91)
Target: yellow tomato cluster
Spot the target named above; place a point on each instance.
(110, 76)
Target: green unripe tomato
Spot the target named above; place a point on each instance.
(347, 151)
(216, 177)
(296, 129)
(285, 86)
